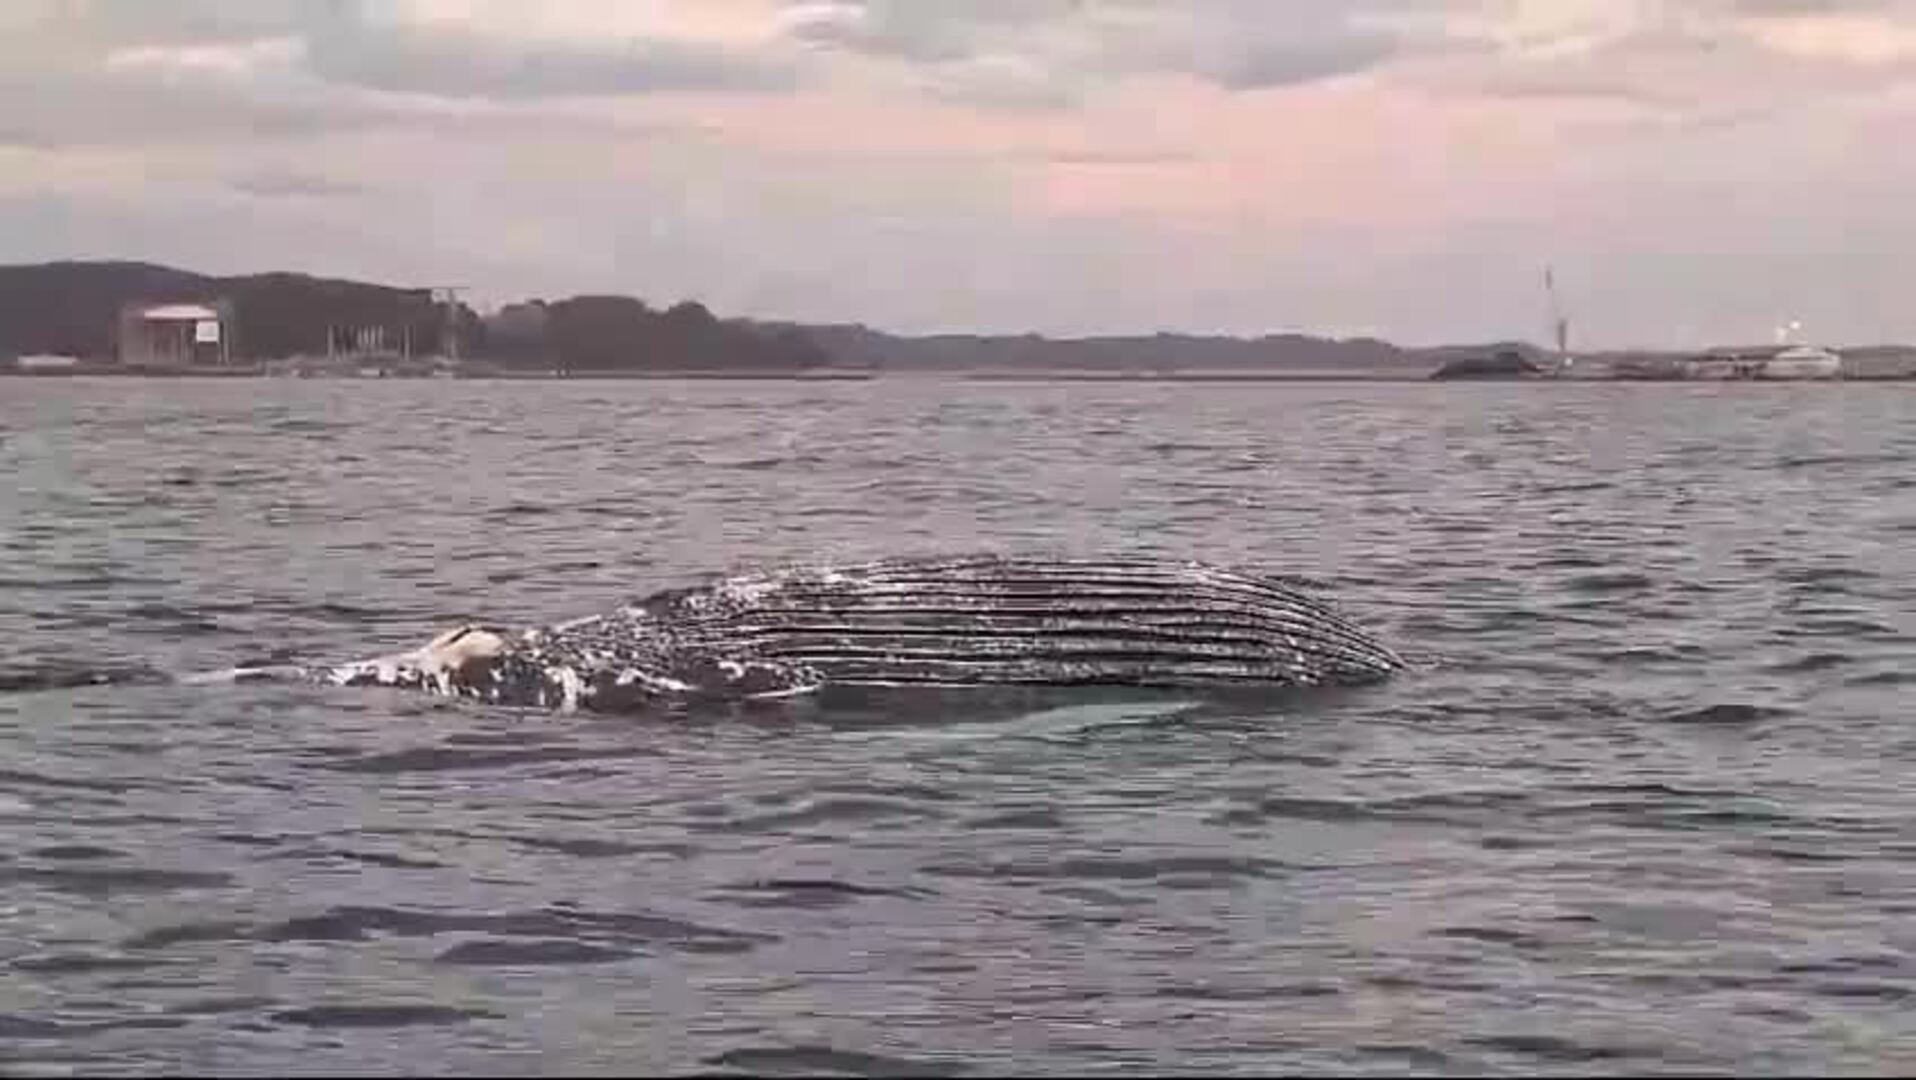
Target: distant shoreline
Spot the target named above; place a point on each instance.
(118, 319)
(734, 375)
(893, 374)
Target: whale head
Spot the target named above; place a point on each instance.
(455, 663)
(594, 664)
(463, 647)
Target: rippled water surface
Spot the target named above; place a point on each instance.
(1647, 803)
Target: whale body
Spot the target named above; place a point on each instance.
(938, 622)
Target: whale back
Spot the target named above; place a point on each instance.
(1010, 620)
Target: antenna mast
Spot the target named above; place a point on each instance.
(1559, 323)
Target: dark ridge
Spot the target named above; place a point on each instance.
(371, 858)
(363, 1016)
(217, 1006)
(1132, 598)
(1608, 582)
(1104, 673)
(1042, 817)
(69, 677)
(66, 852)
(1009, 575)
(1548, 1048)
(80, 964)
(1031, 622)
(1115, 868)
(105, 882)
(19, 777)
(188, 933)
(586, 847)
(809, 893)
(1812, 662)
(1112, 570)
(618, 928)
(1096, 611)
(1724, 714)
(824, 1061)
(1493, 935)
(446, 758)
(530, 953)
(1056, 642)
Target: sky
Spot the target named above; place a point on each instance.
(1696, 172)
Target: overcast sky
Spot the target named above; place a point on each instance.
(1698, 171)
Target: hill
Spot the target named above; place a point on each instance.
(858, 346)
(71, 308)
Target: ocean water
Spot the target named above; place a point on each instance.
(1646, 803)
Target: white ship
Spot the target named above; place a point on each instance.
(1801, 362)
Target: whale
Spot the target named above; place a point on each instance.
(966, 621)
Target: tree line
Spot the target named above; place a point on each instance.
(73, 308)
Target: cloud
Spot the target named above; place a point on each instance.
(101, 25)
(1083, 47)
(1279, 63)
(1808, 7)
(1872, 43)
(288, 183)
(377, 46)
(103, 73)
(1017, 164)
(928, 33)
(133, 108)
(1688, 65)
(999, 82)
(459, 63)
(1116, 157)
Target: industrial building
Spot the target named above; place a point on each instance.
(176, 335)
